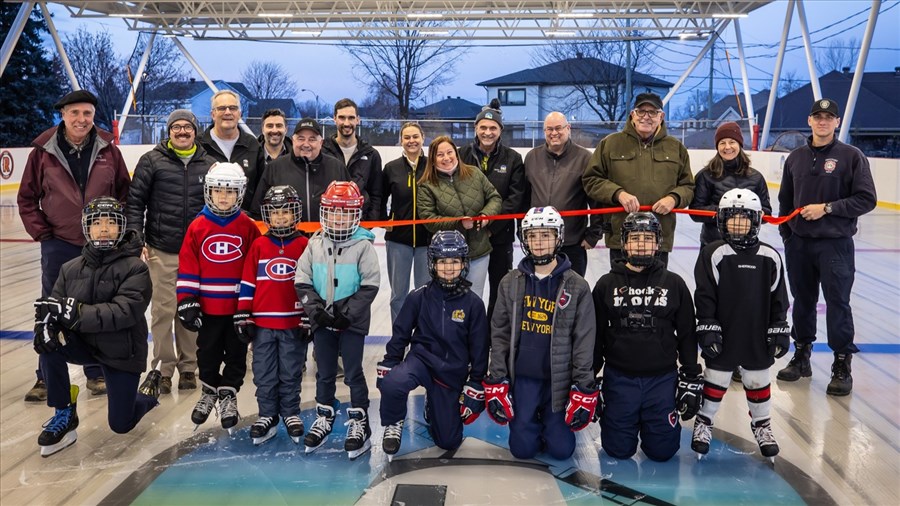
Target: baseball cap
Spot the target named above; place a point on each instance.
(308, 124)
(648, 98)
(825, 105)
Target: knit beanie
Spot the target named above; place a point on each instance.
(182, 114)
(730, 130)
(491, 112)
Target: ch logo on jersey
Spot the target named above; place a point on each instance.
(222, 248)
(564, 299)
(281, 269)
(830, 165)
(458, 316)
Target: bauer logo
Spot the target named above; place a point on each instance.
(222, 248)
(280, 269)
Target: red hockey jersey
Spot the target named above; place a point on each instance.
(267, 285)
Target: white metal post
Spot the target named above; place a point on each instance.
(12, 38)
(748, 98)
(59, 47)
(779, 60)
(810, 57)
(693, 65)
(858, 73)
(139, 76)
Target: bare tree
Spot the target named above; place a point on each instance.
(268, 79)
(165, 66)
(600, 83)
(696, 105)
(404, 64)
(100, 70)
(789, 82)
(839, 53)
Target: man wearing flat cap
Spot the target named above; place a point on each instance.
(309, 170)
(833, 184)
(168, 187)
(641, 166)
(71, 163)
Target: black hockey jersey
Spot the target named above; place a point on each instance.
(744, 290)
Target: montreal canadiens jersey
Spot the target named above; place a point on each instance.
(267, 285)
(211, 260)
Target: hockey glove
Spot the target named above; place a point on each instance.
(46, 338)
(471, 402)
(778, 339)
(323, 319)
(244, 327)
(689, 396)
(601, 402)
(498, 400)
(65, 312)
(581, 407)
(709, 336)
(190, 315)
(381, 371)
(341, 322)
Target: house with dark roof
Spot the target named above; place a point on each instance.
(699, 131)
(586, 89)
(451, 116)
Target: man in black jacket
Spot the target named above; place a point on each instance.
(168, 188)
(227, 142)
(505, 169)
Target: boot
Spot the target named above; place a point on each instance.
(799, 366)
(841, 381)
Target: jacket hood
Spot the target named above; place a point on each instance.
(631, 131)
(619, 267)
(562, 265)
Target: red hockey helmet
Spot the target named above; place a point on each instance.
(340, 210)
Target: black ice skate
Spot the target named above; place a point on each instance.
(390, 442)
(762, 431)
(228, 410)
(59, 431)
(205, 406)
(702, 436)
(359, 433)
(320, 429)
(294, 427)
(264, 429)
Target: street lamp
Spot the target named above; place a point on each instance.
(317, 101)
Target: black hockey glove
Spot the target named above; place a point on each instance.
(689, 396)
(601, 402)
(190, 315)
(46, 338)
(323, 319)
(709, 336)
(66, 312)
(244, 327)
(778, 339)
(341, 322)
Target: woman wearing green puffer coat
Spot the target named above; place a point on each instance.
(449, 189)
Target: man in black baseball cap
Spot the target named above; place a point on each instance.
(308, 124)
(825, 105)
(648, 98)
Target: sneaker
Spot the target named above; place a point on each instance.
(841, 381)
(59, 431)
(38, 392)
(799, 366)
(393, 434)
(97, 386)
(264, 429)
(228, 410)
(359, 433)
(320, 429)
(187, 381)
(762, 431)
(702, 435)
(294, 427)
(206, 404)
(152, 386)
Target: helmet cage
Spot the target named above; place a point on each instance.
(281, 197)
(103, 207)
(340, 210)
(228, 179)
(744, 240)
(641, 222)
(542, 218)
(448, 244)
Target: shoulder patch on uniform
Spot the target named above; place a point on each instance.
(564, 300)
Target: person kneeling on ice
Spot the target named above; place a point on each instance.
(645, 327)
(742, 308)
(337, 280)
(542, 345)
(95, 314)
(270, 316)
(445, 326)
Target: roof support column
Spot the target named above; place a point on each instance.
(59, 47)
(810, 57)
(748, 97)
(693, 65)
(139, 76)
(12, 38)
(776, 75)
(858, 73)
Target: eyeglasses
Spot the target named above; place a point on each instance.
(557, 129)
(646, 113)
(232, 108)
(182, 128)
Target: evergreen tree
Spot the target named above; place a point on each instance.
(29, 86)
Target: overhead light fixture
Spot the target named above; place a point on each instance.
(689, 35)
(434, 32)
(425, 15)
(575, 15)
(307, 33)
(274, 15)
(729, 15)
(126, 15)
(169, 35)
(561, 33)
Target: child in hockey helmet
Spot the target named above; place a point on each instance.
(739, 217)
(103, 223)
(641, 237)
(281, 210)
(223, 189)
(340, 210)
(541, 234)
(448, 261)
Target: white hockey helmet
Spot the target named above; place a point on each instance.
(735, 203)
(224, 175)
(538, 218)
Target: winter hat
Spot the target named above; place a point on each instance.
(179, 115)
(76, 97)
(491, 112)
(730, 130)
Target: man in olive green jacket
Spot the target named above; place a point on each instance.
(641, 165)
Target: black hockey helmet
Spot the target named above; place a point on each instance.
(97, 209)
(448, 244)
(281, 197)
(641, 222)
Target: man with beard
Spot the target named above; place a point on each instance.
(274, 139)
(360, 158)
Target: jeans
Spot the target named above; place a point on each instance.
(478, 271)
(401, 260)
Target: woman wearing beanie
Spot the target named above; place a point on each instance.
(729, 169)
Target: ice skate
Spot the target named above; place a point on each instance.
(390, 442)
(205, 406)
(320, 429)
(702, 436)
(264, 429)
(359, 434)
(228, 410)
(59, 431)
(294, 427)
(762, 431)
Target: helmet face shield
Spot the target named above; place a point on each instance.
(281, 210)
(739, 218)
(103, 223)
(641, 238)
(448, 255)
(223, 189)
(541, 234)
(340, 210)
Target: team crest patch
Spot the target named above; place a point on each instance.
(458, 316)
(280, 269)
(564, 300)
(6, 164)
(501, 169)
(222, 248)
(830, 165)
(673, 419)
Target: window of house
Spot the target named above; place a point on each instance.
(511, 96)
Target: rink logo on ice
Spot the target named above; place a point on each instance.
(458, 316)
(281, 269)
(222, 248)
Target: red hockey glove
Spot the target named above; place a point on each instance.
(498, 400)
(581, 407)
(471, 402)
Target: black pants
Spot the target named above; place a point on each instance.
(615, 254)
(499, 265)
(578, 256)
(217, 344)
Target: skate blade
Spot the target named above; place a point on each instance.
(701, 456)
(267, 436)
(67, 441)
(356, 453)
(296, 439)
(310, 449)
(231, 430)
(391, 458)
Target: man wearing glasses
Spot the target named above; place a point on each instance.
(226, 142)
(168, 187)
(554, 171)
(641, 165)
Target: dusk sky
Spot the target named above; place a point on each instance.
(326, 69)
